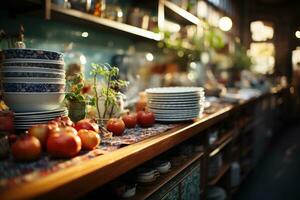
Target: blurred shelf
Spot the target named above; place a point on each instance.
(145, 191)
(105, 23)
(222, 172)
(179, 15)
(221, 143)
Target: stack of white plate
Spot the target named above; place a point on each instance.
(27, 119)
(174, 104)
(33, 82)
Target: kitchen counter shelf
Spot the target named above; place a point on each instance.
(145, 191)
(55, 11)
(222, 172)
(219, 144)
(178, 14)
(77, 180)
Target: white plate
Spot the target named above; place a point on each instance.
(173, 90)
(175, 120)
(59, 110)
(40, 116)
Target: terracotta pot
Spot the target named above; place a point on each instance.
(77, 110)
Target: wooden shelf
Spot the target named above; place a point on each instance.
(179, 15)
(107, 23)
(222, 172)
(226, 139)
(145, 191)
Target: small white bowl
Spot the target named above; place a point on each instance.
(29, 102)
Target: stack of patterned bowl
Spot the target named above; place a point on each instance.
(33, 85)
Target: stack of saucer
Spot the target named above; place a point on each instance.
(33, 85)
(174, 104)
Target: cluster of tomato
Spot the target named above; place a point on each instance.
(60, 138)
(130, 120)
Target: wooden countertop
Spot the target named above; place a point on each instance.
(80, 179)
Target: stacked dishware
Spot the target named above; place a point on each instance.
(174, 104)
(33, 85)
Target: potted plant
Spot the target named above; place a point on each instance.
(108, 97)
(77, 97)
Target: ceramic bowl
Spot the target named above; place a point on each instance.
(147, 175)
(33, 74)
(26, 64)
(32, 80)
(163, 166)
(130, 191)
(31, 69)
(33, 87)
(29, 102)
(32, 54)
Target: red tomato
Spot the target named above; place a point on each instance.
(63, 130)
(63, 145)
(145, 118)
(130, 120)
(67, 121)
(89, 139)
(116, 126)
(26, 148)
(87, 124)
(41, 132)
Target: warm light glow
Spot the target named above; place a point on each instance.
(297, 34)
(149, 57)
(261, 31)
(82, 59)
(225, 23)
(84, 34)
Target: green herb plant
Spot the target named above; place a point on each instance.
(110, 91)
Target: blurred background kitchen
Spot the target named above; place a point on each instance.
(217, 44)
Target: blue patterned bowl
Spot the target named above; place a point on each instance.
(32, 69)
(33, 87)
(32, 54)
(34, 74)
(30, 102)
(34, 64)
(32, 80)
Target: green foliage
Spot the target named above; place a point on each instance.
(240, 59)
(75, 85)
(111, 91)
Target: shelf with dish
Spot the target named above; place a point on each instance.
(80, 179)
(145, 191)
(54, 11)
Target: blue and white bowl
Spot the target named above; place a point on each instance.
(33, 74)
(30, 102)
(31, 69)
(33, 87)
(32, 80)
(35, 64)
(32, 54)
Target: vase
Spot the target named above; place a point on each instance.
(77, 110)
(111, 111)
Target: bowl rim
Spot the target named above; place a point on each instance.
(56, 83)
(4, 68)
(33, 93)
(29, 60)
(41, 72)
(27, 49)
